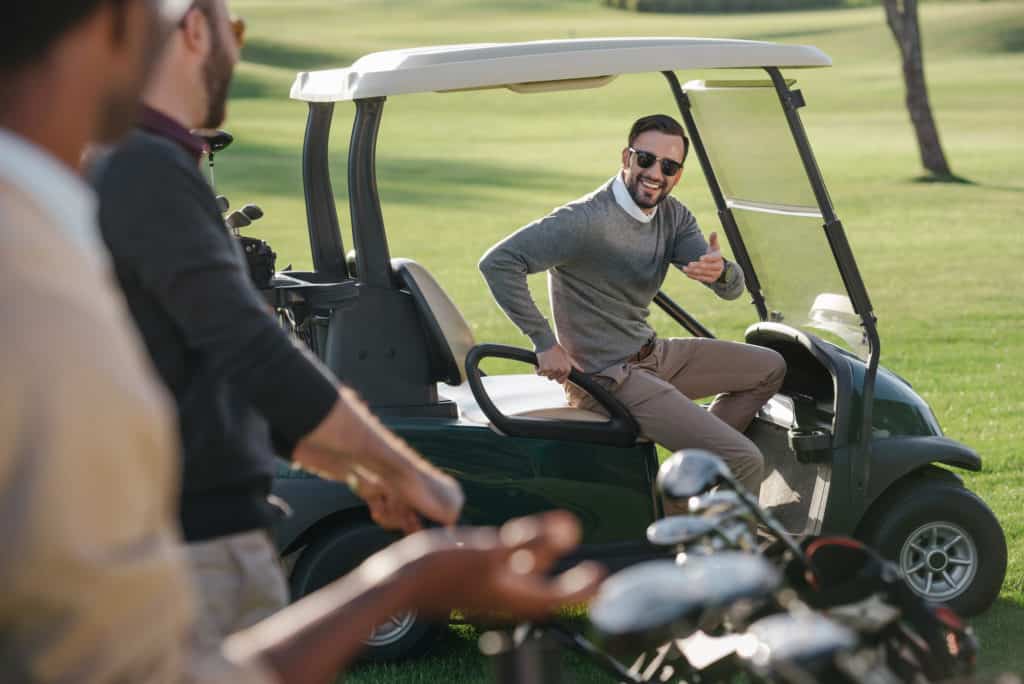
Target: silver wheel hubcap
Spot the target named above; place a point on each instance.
(395, 628)
(939, 560)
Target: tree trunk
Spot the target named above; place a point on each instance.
(901, 15)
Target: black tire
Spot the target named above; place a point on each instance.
(337, 552)
(913, 523)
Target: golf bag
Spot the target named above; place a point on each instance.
(845, 576)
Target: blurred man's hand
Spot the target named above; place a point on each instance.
(493, 571)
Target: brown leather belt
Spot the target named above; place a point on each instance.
(644, 352)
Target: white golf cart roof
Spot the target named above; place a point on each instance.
(539, 65)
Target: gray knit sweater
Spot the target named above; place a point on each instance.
(604, 268)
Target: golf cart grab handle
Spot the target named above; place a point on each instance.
(620, 429)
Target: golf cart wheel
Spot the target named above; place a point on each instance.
(946, 541)
(337, 552)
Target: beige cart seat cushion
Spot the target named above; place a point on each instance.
(521, 396)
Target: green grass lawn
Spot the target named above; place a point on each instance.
(943, 263)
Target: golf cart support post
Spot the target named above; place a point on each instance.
(790, 101)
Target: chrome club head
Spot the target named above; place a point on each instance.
(715, 503)
(690, 473)
(807, 640)
(678, 530)
(654, 602)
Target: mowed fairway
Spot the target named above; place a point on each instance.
(944, 264)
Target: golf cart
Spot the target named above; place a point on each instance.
(850, 447)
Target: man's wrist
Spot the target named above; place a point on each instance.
(723, 277)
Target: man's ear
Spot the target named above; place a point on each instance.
(625, 157)
(195, 30)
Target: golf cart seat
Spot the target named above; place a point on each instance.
(520, 395)
(524, 405)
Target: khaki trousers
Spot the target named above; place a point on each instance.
(239, 581)
(659, 391)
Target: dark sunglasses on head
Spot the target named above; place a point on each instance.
(238, 30)
(646, 160)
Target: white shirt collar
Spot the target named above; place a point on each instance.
(625, 200)
(54, 188)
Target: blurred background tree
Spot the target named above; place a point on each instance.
(901, 15)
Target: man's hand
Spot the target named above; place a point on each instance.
(710, 266)
(484, 570)
(477, 570)
(399, 486)
(403, 503)
(555, 363)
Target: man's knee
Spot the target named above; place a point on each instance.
(775, 370)
(752, 458)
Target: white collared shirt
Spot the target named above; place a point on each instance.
(57, 190)
(625, 200)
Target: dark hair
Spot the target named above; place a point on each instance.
(28, 33)
(662, 123)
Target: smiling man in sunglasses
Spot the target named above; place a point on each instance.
(607, 255)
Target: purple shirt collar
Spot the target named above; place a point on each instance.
(158, 123)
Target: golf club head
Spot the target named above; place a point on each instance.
(678, 530)
(237, 219)
(644, 606)
(216, 139)
(222, 203)
(690, 473)
(715, 503)
(809, 640)
(252, 212)
(654, 602)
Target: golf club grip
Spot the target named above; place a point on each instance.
(620, 430)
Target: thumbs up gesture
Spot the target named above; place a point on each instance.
(710, 266)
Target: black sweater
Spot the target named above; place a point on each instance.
(234, 373)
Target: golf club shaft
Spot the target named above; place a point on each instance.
(748, 500)
(581, 644)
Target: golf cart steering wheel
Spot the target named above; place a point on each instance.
(620, 429)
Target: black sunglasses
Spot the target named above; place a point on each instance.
(645, 160)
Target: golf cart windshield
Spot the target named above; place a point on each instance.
(765, 185)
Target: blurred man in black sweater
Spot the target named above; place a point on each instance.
(244, 391)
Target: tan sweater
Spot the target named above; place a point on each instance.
(94, 584)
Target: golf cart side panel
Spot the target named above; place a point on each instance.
(894, 460)
(608, 488)
(311, 500)
(896, 457)
(897, 410)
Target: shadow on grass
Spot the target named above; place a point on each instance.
(248, 86)
(1012, 39)
(456, 657)
(943, 178)
(790, 35)
(960, 180)
(270, 170)
(999, 629)
(292, 57)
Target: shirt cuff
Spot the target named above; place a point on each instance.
(732, 286)
(544, 340)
